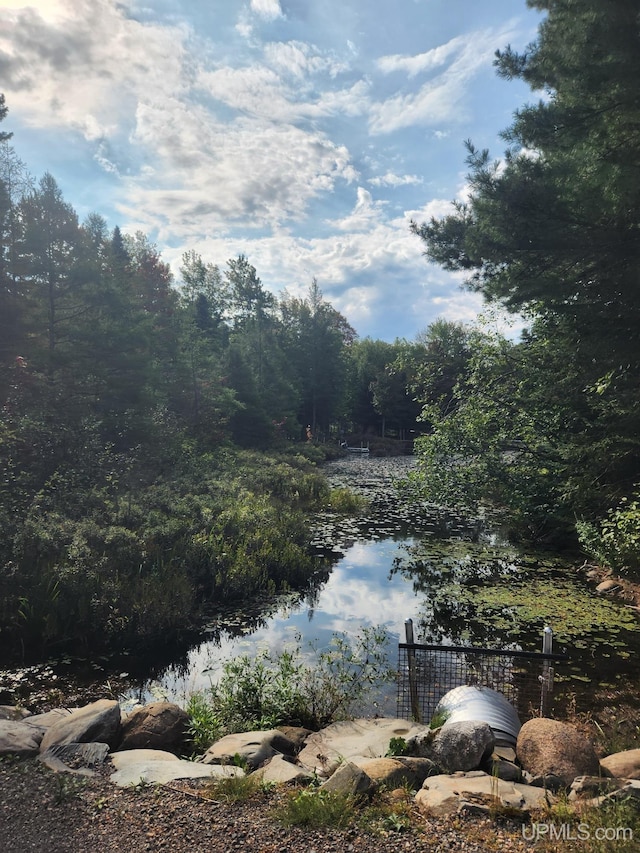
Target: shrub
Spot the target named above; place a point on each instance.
(615, 541)
(272, 690)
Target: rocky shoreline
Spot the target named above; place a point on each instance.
(458, 773)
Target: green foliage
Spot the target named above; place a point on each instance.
(550, 232)
(615, 541)
(314, 808)
(120, 558)
(277, 689)
(345, 501)
(397, 746)
(233, 789)
(204, 724)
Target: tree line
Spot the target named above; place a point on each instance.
(158, 436)
(549, 426)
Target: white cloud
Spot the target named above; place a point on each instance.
(443, 98)
(413, 65)
(392, 180)
(268, 9)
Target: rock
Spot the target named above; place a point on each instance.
(159, 725)
(99, 721)
(353, 739)
(78, 758)
(442, 795)
(462, 746)
(282, 771)
(548, 748)
(43, 722)
(18, 739)
(607, 586)
(148, 766)
(12, 712)
(254, 748)
(398, 772)
(593, 786)
(624, 765)
(495, 765)
(349, 780)
(296, 734)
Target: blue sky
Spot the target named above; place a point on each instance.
(303, 135)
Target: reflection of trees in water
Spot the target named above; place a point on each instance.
(446, 577)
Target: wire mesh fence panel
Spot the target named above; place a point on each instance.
(426, 673)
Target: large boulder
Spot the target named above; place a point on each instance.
(554, 753)
(349, 780)
(463, 746)
(251, 748)
(399, 772)
(18, 739)
(443, 795)
(149, 766)
(159, 725)
(456, 747)
(352, 740)
(24, 736)
(99, 722)
(624, 765)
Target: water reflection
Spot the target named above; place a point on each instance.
(359, 592)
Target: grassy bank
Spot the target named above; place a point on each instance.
(129, 559)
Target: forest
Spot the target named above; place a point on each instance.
(160, 435)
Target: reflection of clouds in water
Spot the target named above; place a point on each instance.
(358, 593)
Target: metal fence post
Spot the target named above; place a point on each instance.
(546, 678)
(411, 661)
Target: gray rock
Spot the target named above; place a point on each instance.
(592, 786)
(153, 766)
(350, 780)
(281, 771)
(78, 758)
(43, 722)
(18, 739)
(624, 765)
(159, 725)
(99, 721)
(495, 765)
(254, 748)
(458, 746)
(12, 712)
(353, 739)
(548, 748)
(442, 795)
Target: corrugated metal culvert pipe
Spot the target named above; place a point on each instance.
(470, 703)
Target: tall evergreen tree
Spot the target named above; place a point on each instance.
(553, 230)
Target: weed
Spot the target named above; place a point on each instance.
(315, 808)
(234, 789)
(67, 787)
(398, 746)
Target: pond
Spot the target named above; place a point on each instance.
(453, 576)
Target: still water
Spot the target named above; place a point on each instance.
(454, 577)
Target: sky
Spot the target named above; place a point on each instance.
(304, 135)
